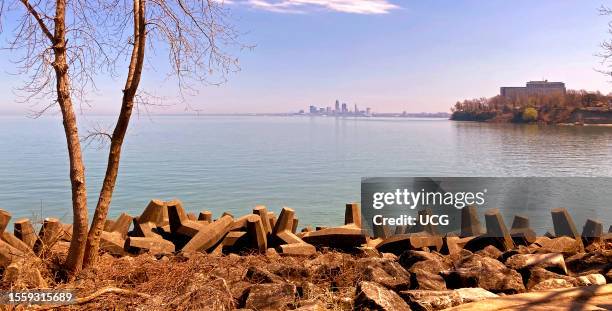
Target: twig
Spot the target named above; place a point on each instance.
(98, 293)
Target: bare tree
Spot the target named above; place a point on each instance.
(191, 32)
(606, 45)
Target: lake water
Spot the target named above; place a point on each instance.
(314, 165)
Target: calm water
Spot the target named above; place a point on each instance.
(311, 164)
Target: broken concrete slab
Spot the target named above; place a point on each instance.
(24, 231)
(210, 235)
(470, 225)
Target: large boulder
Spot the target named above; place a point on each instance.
(552, 284)
(431, 299)
(271, 296)
(425, 280)
(490, 251)
(537, 275)
(372, 296)
(426, 261)
(599, 261)
(386, 272)
(553, 262)
(484, 272)
(566, 245)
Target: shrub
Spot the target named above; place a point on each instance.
(530, 114)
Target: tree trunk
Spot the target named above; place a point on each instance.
(74, 261)
(114, 156)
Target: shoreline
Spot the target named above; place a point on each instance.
(263, 262)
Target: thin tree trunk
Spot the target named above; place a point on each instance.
(114, 156)
(76, 251)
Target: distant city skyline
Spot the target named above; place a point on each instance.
(390, 55)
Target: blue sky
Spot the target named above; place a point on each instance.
(386, 54)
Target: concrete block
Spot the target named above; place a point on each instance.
(13, 241)
(352, 215)
(48, 235)
(155, 246)
(24, 231)
(496, 228)
(429, 228)
(272, 220)
(112, 242)
(180, 224)
(520, 222)
(346, 237)
(191, 216)
(397, 244)
(470, 225)
(299, 249)
(592, 231)
(205, 216)
(257, 233)
(108, 224)
(156, 212)
(210, 235)
(122, 224)
(262, 211)
(563, 223)
(8, 254)
(5, 217)
(145, 229)
(294, 225)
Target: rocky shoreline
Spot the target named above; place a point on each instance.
(167, 258)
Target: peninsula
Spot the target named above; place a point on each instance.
(540, 102)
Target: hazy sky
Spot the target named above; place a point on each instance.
(386, 54)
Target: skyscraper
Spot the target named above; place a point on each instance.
(337, 105)
(344, 108)
(356, 110)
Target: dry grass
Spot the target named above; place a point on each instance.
(203, 281)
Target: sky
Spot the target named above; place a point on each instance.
(390, 55)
